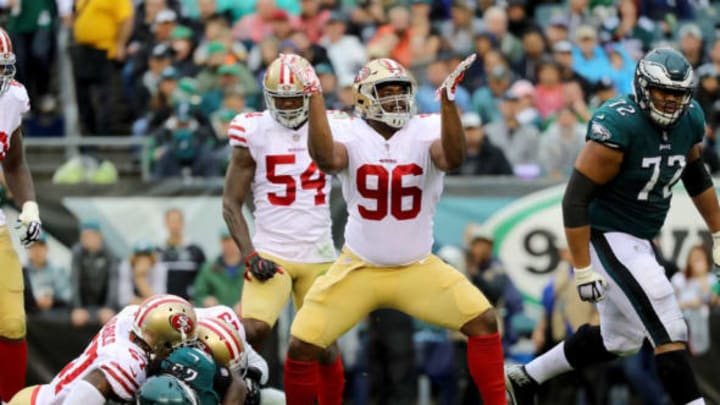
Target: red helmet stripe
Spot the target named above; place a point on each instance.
(154, 303)
(221, 330)
(282, 73)
(5, 44)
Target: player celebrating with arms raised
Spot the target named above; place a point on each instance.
(615, 203)
(391, 164)
(14, 103)
(293, 234)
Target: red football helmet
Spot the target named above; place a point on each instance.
(7, 61)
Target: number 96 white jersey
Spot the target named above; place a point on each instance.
(291, 195)
(391, 188)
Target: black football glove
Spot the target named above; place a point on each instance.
(261, 269)
(252, 381)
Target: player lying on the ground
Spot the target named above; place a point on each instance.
(114, 365)
(221, 334)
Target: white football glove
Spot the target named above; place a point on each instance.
(304, 73)
(716, 250)
(451, 82)
(29, 223)
(591, 286)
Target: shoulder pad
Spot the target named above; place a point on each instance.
(243, 126)
(611, 125)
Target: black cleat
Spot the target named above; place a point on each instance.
(519, 385)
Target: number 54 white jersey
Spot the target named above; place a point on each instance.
(391, 188)
(291, 195)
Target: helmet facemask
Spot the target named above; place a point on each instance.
(290, 118)
(7, 71)
(401, 106)
(651, 75)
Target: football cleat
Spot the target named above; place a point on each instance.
(519, 385)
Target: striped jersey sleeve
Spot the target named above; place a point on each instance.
(242, 127)
(125, 373)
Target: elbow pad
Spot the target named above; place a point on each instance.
(696, 178)
(578, 194)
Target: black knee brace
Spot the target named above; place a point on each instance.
(676, 376)
(586, 348)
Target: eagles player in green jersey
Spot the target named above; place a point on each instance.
(617, 199)
(212, 384)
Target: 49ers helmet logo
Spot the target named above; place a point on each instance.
(181, 323)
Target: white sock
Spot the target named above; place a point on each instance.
(698, 401)
(549, 364)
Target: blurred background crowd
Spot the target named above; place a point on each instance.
(173, 73)
(176, 71)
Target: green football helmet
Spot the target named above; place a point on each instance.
(666, 69)
(164, 390)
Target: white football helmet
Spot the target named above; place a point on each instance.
(223, 342)
(165, 322)
(376, 73)
(280, 82)
(7, 61)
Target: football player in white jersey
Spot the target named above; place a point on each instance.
(292, 243)
(391, 164)
(113, 365)
(221, 334)
(14, 103)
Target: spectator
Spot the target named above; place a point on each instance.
(50, 284)
(708, 91)
(182, 260)
(102, 28)
(425, 41)
(392, 40)
(693, 288)
(495, 20)
(603, 91)
(31, 26)
(563, 55)
(578, 15)
(518, 20)
(486, 100)
(160, 107)
(476, 75)
(282, 25)
(518, 142)
(460, 30)
(220, 282)
(527, 113)
(93, 275)
(589, 59)
(634, 31)
(534, 51)
(549, 92)
(183, 146)
(312, 19)
(140, 276)
(145, 14)
(346, 52)
(483, 158)
(557, 30)
(437, 71)
(183, 45)
(255, 27)
(560, 144)
(622, 68)
(147, 87)
(691, 44)
(488, 274)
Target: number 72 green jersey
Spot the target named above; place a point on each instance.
(637, 200)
